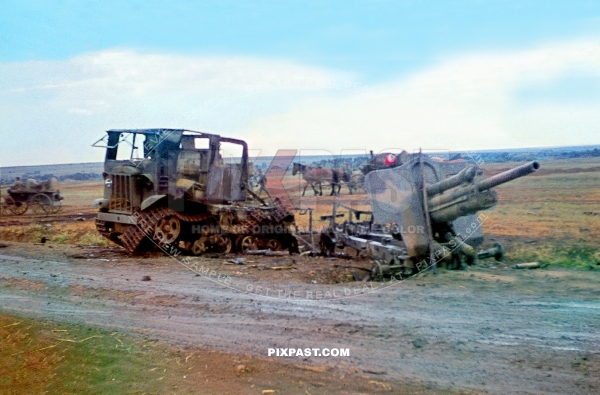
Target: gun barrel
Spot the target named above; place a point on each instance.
(465, 175)
(508, 175)
(462, 200)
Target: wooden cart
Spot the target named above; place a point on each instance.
(41, 198)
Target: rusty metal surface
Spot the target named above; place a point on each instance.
(182, 180)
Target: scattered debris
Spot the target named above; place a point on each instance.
(343, 255)
(80, 256)
(376, 372)
(528, 265)
(318, 369)
(237, 261)
(360, 278)
(267, 252)
(419, 343)
(281, 267)
(380, 384)
(146, 278)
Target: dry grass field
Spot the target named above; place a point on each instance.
(72, 225)
(552, 216)
(45, 357)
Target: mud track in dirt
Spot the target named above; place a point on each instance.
(532, 332)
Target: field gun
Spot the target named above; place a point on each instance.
(424, 213)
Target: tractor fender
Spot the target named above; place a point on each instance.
(151, 201)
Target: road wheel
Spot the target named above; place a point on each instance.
(247, 243)
(273, 245)
(223, 244)
(167, 230)
(41, 204)
(199, 246)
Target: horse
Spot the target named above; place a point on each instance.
(320, 175)
(344, 175)
(356, 181)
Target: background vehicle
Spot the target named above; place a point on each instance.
(41, 198)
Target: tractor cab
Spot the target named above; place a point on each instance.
(143, 166)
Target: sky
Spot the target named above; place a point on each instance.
(317, 76)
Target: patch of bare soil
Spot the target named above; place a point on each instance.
(40, 356)
(488, 329)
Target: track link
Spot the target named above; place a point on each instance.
(133, 236)
(101, 228)
(146, 224)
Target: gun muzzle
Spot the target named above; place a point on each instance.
(460, 200)
(508, 175)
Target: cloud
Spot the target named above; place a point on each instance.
(51, 111)
(472, 101)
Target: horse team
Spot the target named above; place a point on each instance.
(317, 176)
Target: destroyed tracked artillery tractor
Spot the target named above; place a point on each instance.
(188, 190)
(424, 214)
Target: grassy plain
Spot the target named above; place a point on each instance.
(551, 216)
(45, 357)
(74, 224)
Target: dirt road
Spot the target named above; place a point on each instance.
(487, 330)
